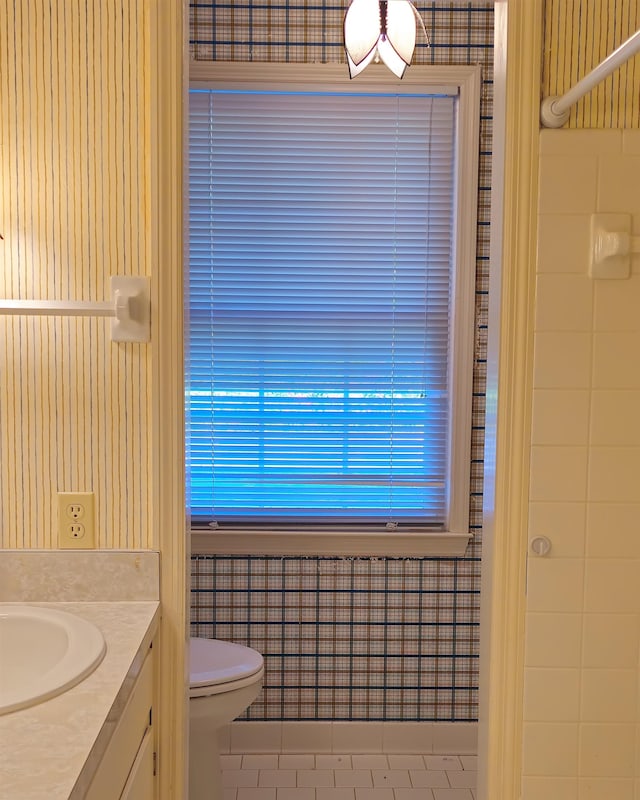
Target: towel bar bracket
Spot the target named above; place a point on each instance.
(130, 308)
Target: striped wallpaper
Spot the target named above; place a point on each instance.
(74, 408)
(578, 35)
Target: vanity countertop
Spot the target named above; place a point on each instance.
(51, 750)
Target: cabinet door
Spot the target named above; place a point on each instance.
(113, 771)
(140, 783)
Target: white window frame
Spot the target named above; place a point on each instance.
(353, 541)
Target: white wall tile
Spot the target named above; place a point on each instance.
(608, 695)
(553, 640)
(616, 304)
(631, 141)
(550, 749)
(614, 474)
(612, 586)
(564, 243)
(365, 736)
(560, 416)
(555, 585)
(615, 416)
(567, 184)
(551, 695)
(306, 737)
(558, 474)
(562, 361)
(256, 737)
(618, 181)
(407, 737)
(574, 141)
(564, 302)
(455, 737)
(607, 750)
(606, 789)
(616, 361)
(563, 524)
(613, 530)
(544, 788)
(611, 640)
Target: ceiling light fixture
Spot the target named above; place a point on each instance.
(381, 29)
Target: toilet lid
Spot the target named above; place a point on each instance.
(214, 661)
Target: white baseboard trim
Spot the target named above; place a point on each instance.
(456, 738)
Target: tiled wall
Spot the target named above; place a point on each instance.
(578, 35)
(365, 639)
(583, 600)
(74, 408)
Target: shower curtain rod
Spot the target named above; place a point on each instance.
(554, 111)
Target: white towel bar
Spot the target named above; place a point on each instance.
(554, 111)
(129, 306)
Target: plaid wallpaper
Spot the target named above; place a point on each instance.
(356, 639)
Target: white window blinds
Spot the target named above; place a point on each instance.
(321, 268)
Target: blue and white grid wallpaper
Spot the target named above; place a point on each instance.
(367, 639)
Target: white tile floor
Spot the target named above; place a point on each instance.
(348, 777)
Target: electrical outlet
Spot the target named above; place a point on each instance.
(76, 520)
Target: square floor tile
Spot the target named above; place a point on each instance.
(296, 761)
(429, 777)
(315, 777)
(252, 761)
(277, 777)
(239, 777)
(465, 779)
(413, 794)
(230, 761)
(374, 794)
(333, 762)
(450, 794)
(369, 762)
(255, 793)
(295, 794)
(354, 777)
(335, 793)
(443, 762)
(391, 777)
(405, 762)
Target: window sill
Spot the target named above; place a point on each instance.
(338, 542)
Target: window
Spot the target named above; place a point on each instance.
(331, 270)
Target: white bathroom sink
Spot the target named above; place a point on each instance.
(43, 652)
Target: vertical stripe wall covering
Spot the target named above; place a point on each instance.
(74, 407)
(578, 35)
(366, 639)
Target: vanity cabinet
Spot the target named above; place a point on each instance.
(126, 771)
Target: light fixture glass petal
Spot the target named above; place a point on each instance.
(356, 69)
(401, 28)
(361, 29)
(388, 54)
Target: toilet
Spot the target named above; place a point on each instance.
(225, 678)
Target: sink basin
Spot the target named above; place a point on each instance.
(43, 652)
